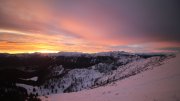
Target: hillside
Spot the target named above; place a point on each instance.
(37, 75)
(159, 84)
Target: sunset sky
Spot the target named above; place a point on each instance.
(89, 25)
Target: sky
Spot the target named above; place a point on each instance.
(89, 25)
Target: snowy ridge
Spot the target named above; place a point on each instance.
(73, 80)
(130, 69)
(158, 84)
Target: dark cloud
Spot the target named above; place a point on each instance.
(177, 49)
(155, 20)
(69, 44)
(7, 41)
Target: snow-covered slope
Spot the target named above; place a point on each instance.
(122, 65)
(73, 73)
(156, 84)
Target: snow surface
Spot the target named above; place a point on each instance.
(159, 84)
(33, 78)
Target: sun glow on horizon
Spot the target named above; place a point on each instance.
(47, 51)
(38, 51)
